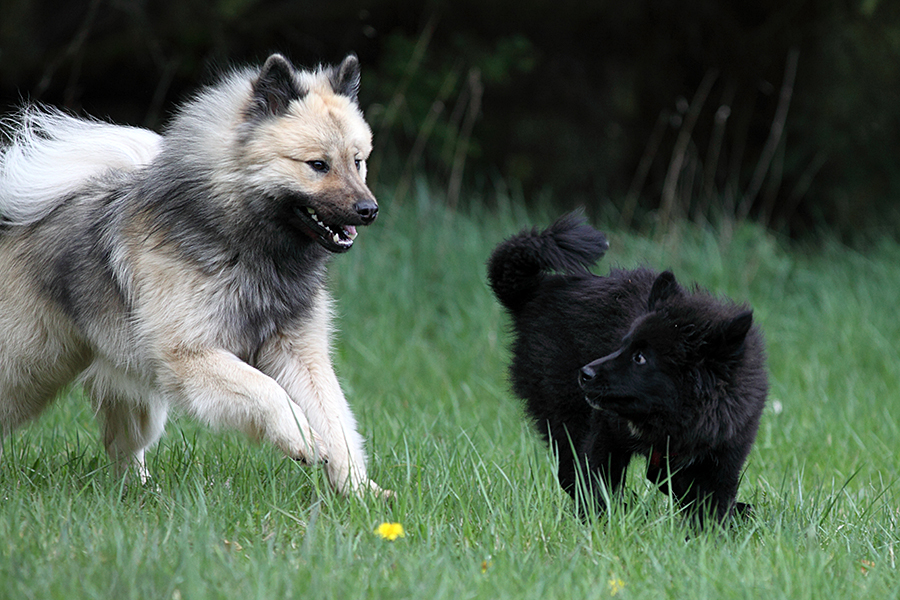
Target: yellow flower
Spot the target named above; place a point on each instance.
(390, 531)
(615, 585)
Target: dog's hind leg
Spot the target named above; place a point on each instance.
(128, 430)
(40, 351)
(131, 418)
(22, 397)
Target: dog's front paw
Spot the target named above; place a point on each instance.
(354, 482)
(307, 448)
(370, 488)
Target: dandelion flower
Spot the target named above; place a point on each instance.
(615, 585)
(390, 531)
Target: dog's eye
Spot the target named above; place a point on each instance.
(639, 358)
(319, 166)
(358, 163)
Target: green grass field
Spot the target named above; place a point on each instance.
(422, 352)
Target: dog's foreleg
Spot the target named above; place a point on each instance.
(707, 487)
(316, 391)
(221, 390)
(300, 362)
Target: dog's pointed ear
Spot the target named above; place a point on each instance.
(345, 78)
(664, 287)
(275, 88)
(732, 333)
(737, 328)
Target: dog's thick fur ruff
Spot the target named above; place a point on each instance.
(188, 270)
(630, 363)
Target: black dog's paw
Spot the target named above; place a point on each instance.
(742, 510)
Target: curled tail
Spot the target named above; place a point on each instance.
(517, 266)
(51, 155)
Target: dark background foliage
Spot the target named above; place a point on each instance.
(784, 111)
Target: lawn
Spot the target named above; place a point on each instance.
(422, 352)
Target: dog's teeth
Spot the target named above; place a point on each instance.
(312, 213)
(343, 237)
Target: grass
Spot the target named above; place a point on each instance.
(422, 354)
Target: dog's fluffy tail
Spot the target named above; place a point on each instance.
(51, 155)
(518, 265)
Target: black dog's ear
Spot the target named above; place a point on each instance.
(736, 329)
(275, 88)
(345, 78)
(732, 333)
(664, 287)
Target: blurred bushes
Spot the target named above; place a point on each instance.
(785, 111)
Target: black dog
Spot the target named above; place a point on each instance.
(681, 376)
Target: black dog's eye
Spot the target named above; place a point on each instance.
(319, 166)
(639, 358)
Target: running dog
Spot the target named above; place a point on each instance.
(188, 270)
(630, 364)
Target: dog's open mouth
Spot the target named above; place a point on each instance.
(593, 401)
(336, 238)
(601, 398)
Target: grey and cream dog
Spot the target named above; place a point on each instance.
(187, 270)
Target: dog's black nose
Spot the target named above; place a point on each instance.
(585, 375)
(367, 210)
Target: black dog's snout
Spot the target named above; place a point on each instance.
(585, 375)
(367, 210)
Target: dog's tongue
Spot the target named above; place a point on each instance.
(350, 231)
